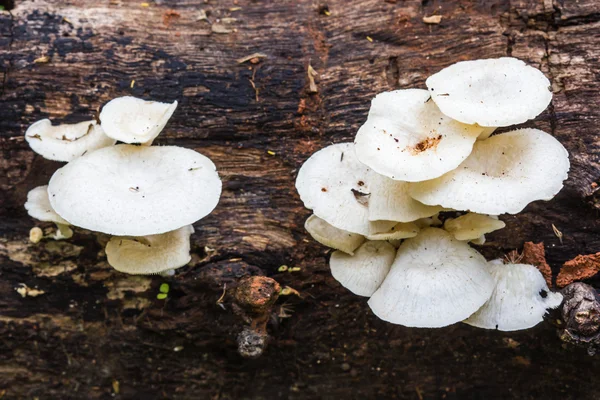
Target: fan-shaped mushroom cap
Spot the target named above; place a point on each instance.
(363, 272)
(132, 120)
(407, 138)
(519, 301)
(502, 175)
(343, 191)
(494, 92)
(401, 230)
(390, 201)
(434, 281)
(487, 132)
(472, 226)
(330, 236)
(152, 254)
(135, 190)
(38, 206)
(66, 142)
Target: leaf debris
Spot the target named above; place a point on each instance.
(432, 19)
(312, 74)
(558, 233)
(254, 58)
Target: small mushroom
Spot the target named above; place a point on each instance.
(131, 190)
(401, 230)
(343, 191)
(363, 272)
(472, 226)
(38, 206)
(502, 175)
(493, 92)
(330, 236)
(152, 254)
(519, 300)
(68, 141)
(407, 138)
(434, 281)
(132, 120)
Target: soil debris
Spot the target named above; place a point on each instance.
(254, 58)
(312, 74)
(432, 19)
(429, 143)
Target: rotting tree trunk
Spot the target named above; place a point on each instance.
(95, 332)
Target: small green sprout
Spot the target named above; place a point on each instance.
(164, 291)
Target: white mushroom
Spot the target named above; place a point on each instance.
(472, 226)
(390, 201)
(38, 206)
(135, 190)
(502, 175)
(66, 142)
(401, 230)
(330, 236)
(152, 254)
(363, 272)
(132, 120)
(434, 281)
(519, 301)
(494, 92)
(487, 132)
(343, 191)
(407, 138)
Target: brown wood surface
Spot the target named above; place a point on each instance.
(94, 327)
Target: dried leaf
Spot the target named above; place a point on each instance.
(558, 233)
(220, 28)
(312, 86)
(433, 19)
(42, 60)
(250, 57)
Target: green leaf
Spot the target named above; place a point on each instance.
(161, 296)
(164, 288)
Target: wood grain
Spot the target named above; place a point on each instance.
(94, 326)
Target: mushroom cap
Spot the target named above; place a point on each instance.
(402, 230)
(407, 138)
(150, 254)
(502, 175)
(135, 190)
(494, 92)
(363, 272)
(390, 201)
(330, 236)
(343, 191)
(67, 141)
(472, 226)
(519, 300)
(38, 206)
(434, 281)
(132, 120)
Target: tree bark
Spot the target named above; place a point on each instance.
(95, 333)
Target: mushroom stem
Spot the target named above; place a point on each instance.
(62, 232)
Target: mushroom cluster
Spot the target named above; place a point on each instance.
(146, 196)
(425, 179)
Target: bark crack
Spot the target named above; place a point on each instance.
(10, 58)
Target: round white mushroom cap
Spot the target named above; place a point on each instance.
(132, 120)
(493, 92)
(343, 191)
(472, 226)
(152, 254)
(519, 301)
(66, 142)
(407, 138)
(330, 236)
(38, 206)
(434, 281)
(135, 190)
(502, 175)
(363, 272)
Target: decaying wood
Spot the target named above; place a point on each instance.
(95, 332)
